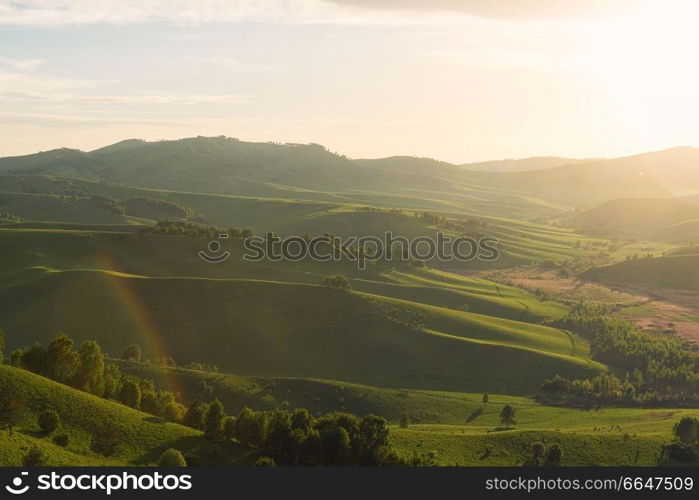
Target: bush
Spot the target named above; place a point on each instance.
(35, 457)
(264, 462)
(61, 440)
(337, 281)
(49, 421)
(172, 458)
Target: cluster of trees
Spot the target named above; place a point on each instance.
(9, 217)
(336, 281)
(542, 456)
(107, 203)
(686, 440)
(137, 204)
(604, 388)
(297, 438)
(659, 368)
(183, 228)
(85, 369)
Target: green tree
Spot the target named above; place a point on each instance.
(49, 421)
(229, 428)
(194, 416)
(133, 353)
(130, 393)
(336, 281)
(507, 416)
(172, 458)
(687, 431)
(404, 421)
(16, 358)
(112, 381)
(35, 457)
(213, 419)
(264, 462)
(172, 411)
(251, 428)
(106, 438)
(34, 359)
(90, 375)
(62, 362)
(485, 398)
(554, 456)
(13, 407)
(2, 346)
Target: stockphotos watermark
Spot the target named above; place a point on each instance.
(361, 250)
(100, 483)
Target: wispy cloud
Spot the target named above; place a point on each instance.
(194, 12)
(20, 64)
(233, 64)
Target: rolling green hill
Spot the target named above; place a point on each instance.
(285, 329)
(659, 219)
(142, 437)
(673, 271)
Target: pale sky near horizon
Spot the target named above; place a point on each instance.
(457, 80)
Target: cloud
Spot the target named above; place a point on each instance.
(233, 64)
(21, 64)
(503, 9)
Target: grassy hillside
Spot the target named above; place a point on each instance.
(142, 437)
(457, 426)
(673, 271)
(663, 219)
(290, 329)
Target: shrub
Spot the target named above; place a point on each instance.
(172, 458)
(61, 439)
(49, 421)
(264, 462)
(35, 457)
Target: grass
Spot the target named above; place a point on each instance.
(142, 437)
(459, 427)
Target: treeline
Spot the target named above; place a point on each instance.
(280, 437)
(6, 217)
(658, 369)
(182, 228)
(137, 205)
(296, 438)
(85, 369)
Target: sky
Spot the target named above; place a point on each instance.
(457, 80)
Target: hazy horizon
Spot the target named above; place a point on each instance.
(458, 81)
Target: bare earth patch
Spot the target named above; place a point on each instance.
(654, 310)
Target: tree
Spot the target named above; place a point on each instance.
(554, 456)
(106, 438)
(538, 449)
(507, 416)
(404, 421)
(251, 428)
(213, 419)
(336, 281)
(172, 458)
(35, 457)
(16, 358)
(2, 346)
(112, 381)
(133, 353)
(687, 431)
(130, 393)
(49, 421)
(13, 407)
(229, 428)
(194, 416)
(337, 446)
(90, 375)
(264, 462)
(62, 361)
(485, 398)
(172, 411)
(34, 359)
